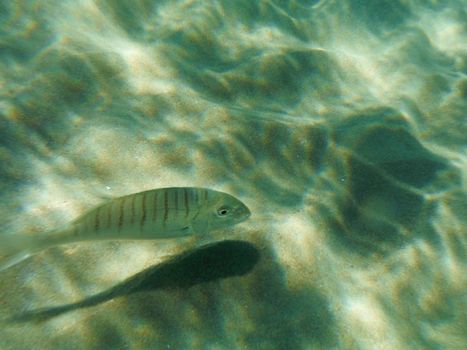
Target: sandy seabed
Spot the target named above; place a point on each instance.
(341, 124)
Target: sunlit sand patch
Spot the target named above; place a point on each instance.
(53, 285)
(82, 21)
(461, 163)
(268, 37)
(297, 244)
(173, 15)
(364, 317)
(450, 229)
(129, 257)
(376, 70)
(146, 71)
(367, 64)
(73, 323)
(50, 202)
(444, 30)
(107, 148)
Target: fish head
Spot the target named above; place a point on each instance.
(225, 210)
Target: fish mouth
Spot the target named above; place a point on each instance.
(243, 213)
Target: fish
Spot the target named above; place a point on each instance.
(162, 213)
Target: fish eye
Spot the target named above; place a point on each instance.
(223, 211)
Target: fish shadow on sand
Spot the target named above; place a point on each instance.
(208, 263)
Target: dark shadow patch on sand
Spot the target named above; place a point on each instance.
(387, 169)
(276, 80)
(208, 263)
(288, 319)
(259, 311)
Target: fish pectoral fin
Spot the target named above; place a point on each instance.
(187, 231)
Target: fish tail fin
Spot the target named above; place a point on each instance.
(15, 248)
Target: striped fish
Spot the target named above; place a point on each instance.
(159, 213)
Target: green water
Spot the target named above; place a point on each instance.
(341, 124)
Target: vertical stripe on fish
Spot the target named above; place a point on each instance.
(143, 209)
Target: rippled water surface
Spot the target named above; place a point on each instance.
(341, 124)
